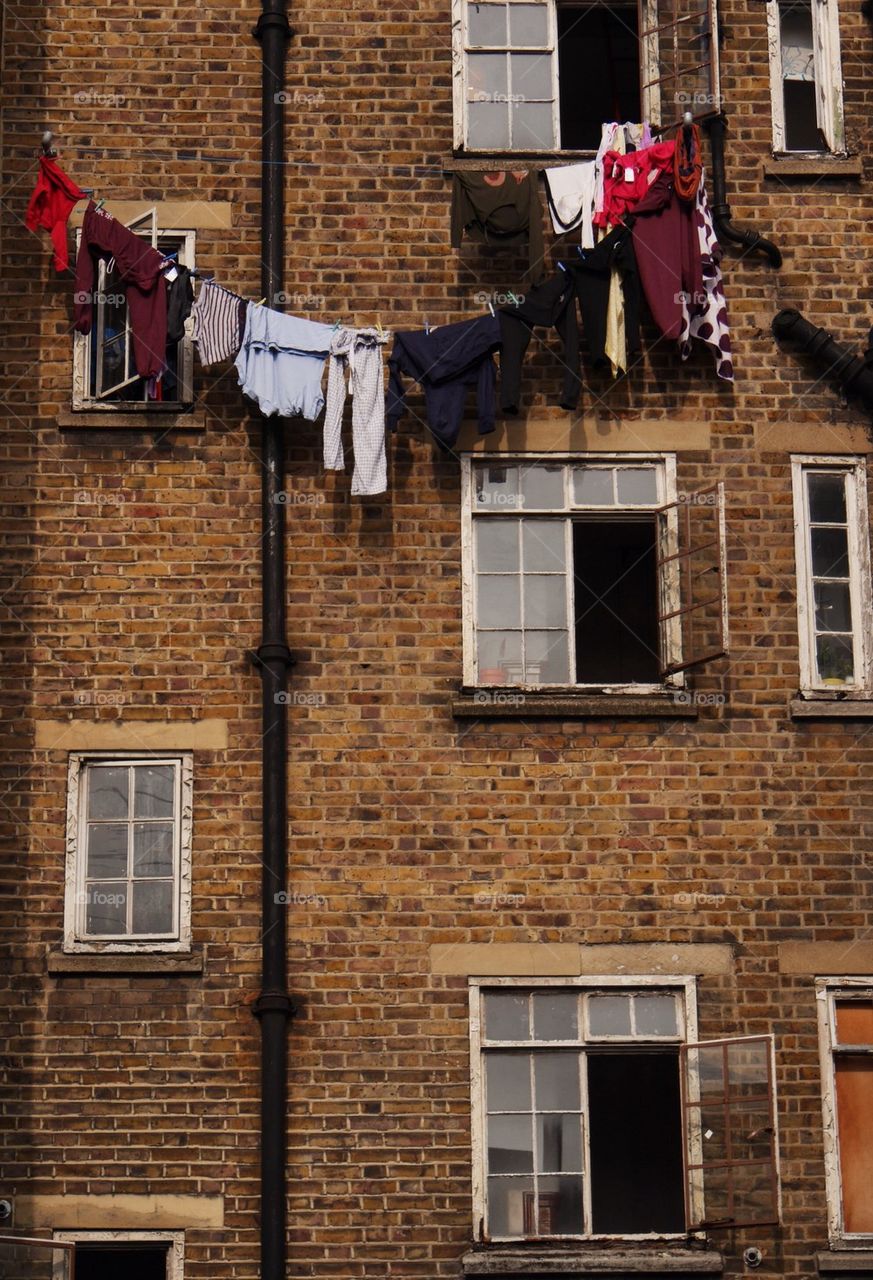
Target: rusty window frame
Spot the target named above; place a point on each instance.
(682, 557)
(696, 1166)
(659, 46)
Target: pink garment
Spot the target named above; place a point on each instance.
(627, 179)
(668, 256)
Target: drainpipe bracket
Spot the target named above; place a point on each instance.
(271, 653)
(276, 19)
(274, 1002)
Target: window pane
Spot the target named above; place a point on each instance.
(543, 545)
(713, 1132)
(655, 1015)
(532, 126)
(107, 850)
(486, 77)
(798, 62)
(507, 1081)
(556, 1081)
(498, 601)
(827, 499)
(107, 792)
(830, 553)
(833, 607)
(560, 1206)
(559, 1144)
(496, 545)
(708, 1065)
(486, 24)
(637, 485)
(153, 849)
(531, 77)
(854, 1021)
(510, 1144)
(528, 25)
(542, 487)
(854, 1097)
(154, 786)
(547, 659)
(506, 1016)
(592, 486)
(152, 906)
(497, 487)
(836, 658)
(748, 1068)
(609, 1015)
(545, 600)
(488, 126)
(498, 653)
(106, 908)
(556, 1016)
(510, 1206)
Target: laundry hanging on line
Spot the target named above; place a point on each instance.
(54, 199)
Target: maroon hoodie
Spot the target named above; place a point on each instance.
(139, 270)
(668, 255)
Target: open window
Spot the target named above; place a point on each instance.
(806, 76)
(846, 1039)
(591, 1111)
(104, 375)
(137, 1255)
(542, 75)
(590, 574)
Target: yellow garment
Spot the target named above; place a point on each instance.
(616, 343)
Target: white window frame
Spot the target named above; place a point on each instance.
(668, 589)
(82, 397)
(74, 895)
(174, 1240)
(827, 990)
(650, 86)
(828, 77)
(684, 986)
(860, 590)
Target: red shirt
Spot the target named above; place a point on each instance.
(627, 178)
(51, 204)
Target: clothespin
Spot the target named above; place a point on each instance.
(426, 325)
(379, 329)
(47, 148)
(562, 266)
(491, 307)
(513, 299)
(100, 203)
(260, 302)
(336, 325)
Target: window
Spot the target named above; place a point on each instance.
(805, 75)
(833, 573)
(128, 854)
(573, 571)
(104, 376)
(139, 1255)
(594, 1117)
(846, 1034)
(542, 75)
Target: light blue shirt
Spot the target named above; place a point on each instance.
(281, 363)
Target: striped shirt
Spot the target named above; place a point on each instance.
(217, 330)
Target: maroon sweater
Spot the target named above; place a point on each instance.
(139, 269)
(668, 255)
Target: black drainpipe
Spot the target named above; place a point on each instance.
(716, 127)
(853, 374)
(273, 1007)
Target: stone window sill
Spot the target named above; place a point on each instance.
(476, 161)
(500, 704)
(847, 1262)
(580, 1261)
(812, 167)
(147, 419)
(96, 962)
(831, 709)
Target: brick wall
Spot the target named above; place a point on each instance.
(130, 591)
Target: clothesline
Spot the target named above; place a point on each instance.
(645, 232)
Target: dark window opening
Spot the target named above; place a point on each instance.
(635, 1139)
(616, 602)
(136, 1261)
(598, 71)
(801, 127)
